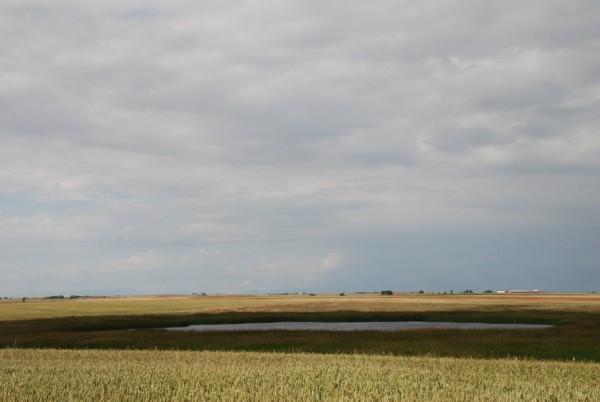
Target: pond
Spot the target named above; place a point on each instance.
(351, 326)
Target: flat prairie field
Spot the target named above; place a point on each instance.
(135, 322)
(145, 305)
(110, 349)
(220, 376)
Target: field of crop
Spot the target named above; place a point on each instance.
(159, 375)
(112, 306)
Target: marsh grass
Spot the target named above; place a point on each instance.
(576, 334)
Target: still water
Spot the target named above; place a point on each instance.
(351, 326)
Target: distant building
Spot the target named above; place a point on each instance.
(519, 291)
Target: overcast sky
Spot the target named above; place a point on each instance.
(263, 146)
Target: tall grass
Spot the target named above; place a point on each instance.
(63, 375)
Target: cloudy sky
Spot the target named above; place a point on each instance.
(262, 146)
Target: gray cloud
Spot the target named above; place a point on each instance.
(254, 146)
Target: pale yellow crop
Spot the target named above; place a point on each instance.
(64, 375)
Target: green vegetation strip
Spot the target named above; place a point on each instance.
(38, 375)
(575, 334)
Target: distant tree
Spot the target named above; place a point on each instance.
(342, 294)
(421, 292)
(468, 292)
(488, 291)
(387, 293)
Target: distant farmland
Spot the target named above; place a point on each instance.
(41, 308)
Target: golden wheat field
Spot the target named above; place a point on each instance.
(190, 376)
(34, 309)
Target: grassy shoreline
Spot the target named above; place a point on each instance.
(107, 324)
(575, 335)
